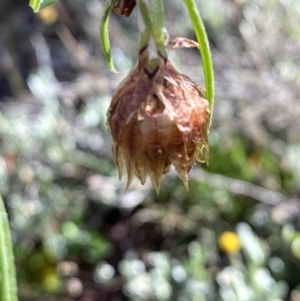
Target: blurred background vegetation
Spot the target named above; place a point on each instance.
(235, 236)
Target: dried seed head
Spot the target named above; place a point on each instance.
(157, 118)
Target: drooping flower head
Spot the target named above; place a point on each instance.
(157, 118)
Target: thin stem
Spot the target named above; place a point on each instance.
(204, 51)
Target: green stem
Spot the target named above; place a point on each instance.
(104, 37)
(8, 285)
(152, 21)
(204, 51)
(158, 20)
(152, 32)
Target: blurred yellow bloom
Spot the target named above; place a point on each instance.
(229, 242)
(51, 280)
(48, 15)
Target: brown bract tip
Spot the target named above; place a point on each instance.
(124, 7)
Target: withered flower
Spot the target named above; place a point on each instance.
(157, 118)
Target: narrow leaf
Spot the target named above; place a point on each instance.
(35, 5)
(8, 285)
(38, 5)
(104, 38)
(46, 3)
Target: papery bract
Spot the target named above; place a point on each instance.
(157, 119)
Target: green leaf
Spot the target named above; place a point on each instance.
(38, 5)
(8, 285)
(204, 51)
(104, 38)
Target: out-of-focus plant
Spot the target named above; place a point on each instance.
(159, 278)
(33, 214)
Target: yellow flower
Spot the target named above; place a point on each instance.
(48, 15)
(50, 280)
(229, 242)
(158, 117)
